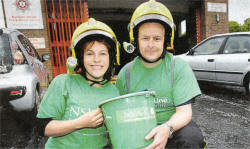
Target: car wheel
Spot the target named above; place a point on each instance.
(247, 89)
(37, 100)
(36, 105)
(35, 108)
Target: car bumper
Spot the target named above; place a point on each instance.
(16, 98)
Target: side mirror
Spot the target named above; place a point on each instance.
(191, 52)
(45, 57)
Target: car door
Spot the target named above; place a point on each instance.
(202, 58)
(35, 61)
(233, 60)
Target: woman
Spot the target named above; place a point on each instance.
(69, 112)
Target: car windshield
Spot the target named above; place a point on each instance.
(5, 54)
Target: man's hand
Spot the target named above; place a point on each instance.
(160, 135)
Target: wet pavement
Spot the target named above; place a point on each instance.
(222, 113)
(225, 124)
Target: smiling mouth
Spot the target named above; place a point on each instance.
(96, 67)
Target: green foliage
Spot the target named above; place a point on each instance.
(236, 27)
(247, 25)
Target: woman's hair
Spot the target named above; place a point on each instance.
(87, 43)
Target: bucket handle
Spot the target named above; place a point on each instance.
(129, 95)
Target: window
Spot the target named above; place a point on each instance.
(5, 50)
(182, 29)
(237, 44)
(28, 47)
(211, 46)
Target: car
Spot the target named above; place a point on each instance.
(222, 58)
(23, 76)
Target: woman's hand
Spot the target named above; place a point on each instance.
(90, 119)
(57, 128)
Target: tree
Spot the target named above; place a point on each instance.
(234, 26)
(246, 26)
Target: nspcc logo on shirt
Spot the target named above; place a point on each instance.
(161, 102)
(77, 111)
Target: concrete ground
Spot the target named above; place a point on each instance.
(225, 124)
(221, 112)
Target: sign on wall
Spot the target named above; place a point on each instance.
(38, 43)
(2, 23)
(216, 7)
(23, 14)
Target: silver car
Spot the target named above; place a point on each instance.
(223, 58)
(23, 76)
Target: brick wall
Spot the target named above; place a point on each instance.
(209, 25)
(41, 33)
(191, 28)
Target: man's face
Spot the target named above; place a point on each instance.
(151, 40)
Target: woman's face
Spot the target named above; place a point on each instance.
(96, 60)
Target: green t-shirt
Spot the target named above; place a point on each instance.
(158, 79)
(68, 98)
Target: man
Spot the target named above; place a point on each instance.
(151, 30)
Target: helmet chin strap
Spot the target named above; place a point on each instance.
(102, 82)
(148, 61)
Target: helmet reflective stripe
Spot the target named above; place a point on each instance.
(153, 17)
(92, 32)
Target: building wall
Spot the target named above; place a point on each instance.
(209, 25)
(191, 28)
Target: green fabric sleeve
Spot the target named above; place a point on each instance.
(54, 101)
(185, 83)
(121, 81)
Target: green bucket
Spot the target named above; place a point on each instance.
(129, 118)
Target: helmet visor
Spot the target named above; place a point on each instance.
(92, 32)
(153, 17)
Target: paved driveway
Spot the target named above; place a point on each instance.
(224, 124)
(222, 115)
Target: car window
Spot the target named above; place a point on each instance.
(28, 47)
(17, 53)
(237, 44)
(211, 46)
(5, 50)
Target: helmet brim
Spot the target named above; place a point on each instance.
(153, 17)
(92, 32)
